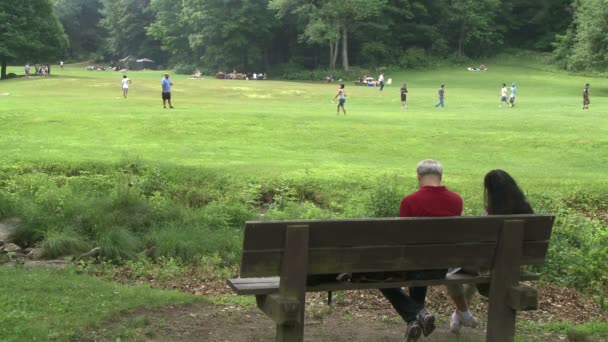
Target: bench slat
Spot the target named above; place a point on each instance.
(263, 286)
(394, 231)
(267, 263)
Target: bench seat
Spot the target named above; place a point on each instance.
(270, 285)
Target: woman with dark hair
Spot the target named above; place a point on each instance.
(502, 196)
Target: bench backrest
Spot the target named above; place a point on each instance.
(392, 244)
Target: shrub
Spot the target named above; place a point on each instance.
(413, 58)
(184, 69)
(59, 242)
(385, 196)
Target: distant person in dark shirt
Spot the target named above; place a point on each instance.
(586, 101)
(432, 199)
(441, 94)
(403, 97)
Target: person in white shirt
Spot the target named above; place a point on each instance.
(255, 76)
(125, 85)
(61, 64)
(503, 94)
(381, 81)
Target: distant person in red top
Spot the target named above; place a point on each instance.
(432, 199)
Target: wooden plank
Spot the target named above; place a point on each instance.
(399, 231)
(262, 286)
(292, 285)
(387, 258)
(505, 275)
(281, 310)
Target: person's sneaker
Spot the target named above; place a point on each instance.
(455, 323)
(426, 321)
(413, 331)
(472, 322)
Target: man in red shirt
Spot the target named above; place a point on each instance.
(432, 199)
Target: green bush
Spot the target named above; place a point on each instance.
(184, 69)
(414, 58)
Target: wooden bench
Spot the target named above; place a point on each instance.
(279, 256)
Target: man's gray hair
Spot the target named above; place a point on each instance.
(429, 167)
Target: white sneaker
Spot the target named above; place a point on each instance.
(457, 322)
(472, 322)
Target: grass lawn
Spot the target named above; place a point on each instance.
(272, 128)
(45, 305)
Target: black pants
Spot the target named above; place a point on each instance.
(408, 306)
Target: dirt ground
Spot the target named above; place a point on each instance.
(216, 323)
(354, 316)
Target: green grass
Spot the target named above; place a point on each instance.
(278, 129)
(43, 305)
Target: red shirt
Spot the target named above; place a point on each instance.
(431, 201)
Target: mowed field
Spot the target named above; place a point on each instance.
(273, 128)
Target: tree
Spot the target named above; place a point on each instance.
(125, 23)
(29, 31)
(80, 20)
(170, 30)
(230, 33)
(586, 43)
(330, 21)
(472, 21)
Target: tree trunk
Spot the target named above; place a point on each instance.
(461, 41)
(3, 72)
(345, 48)
(331, 55)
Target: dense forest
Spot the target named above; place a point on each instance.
(259, 34)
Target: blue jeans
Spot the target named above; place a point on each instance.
(409, 306)
(440, 102)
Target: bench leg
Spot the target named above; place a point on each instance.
(293, 281)
(505, 274)
(293, 332)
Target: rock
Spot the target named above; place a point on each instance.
(90, 254)
(4, 258)
(8, 227)
(1, 243)
(12, 248)
(46, 263)
(35, 253)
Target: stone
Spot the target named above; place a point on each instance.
(4, 258)
(8, 227)
(35, 254)
(1, 243)
(12, 248)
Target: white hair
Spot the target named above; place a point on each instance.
(429, 167)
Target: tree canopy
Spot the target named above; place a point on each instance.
(29, 32)
(260, 34)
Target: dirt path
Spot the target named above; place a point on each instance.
(354, 316)
(217, 323)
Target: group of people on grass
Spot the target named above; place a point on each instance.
(39, 70)
(502, 197)
(505, 96)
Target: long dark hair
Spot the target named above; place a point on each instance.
(503, 196)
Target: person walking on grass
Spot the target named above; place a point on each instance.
(586, 101)
(125, 86)
(166, 92)
(431, 200)
(341, 95)
(403, 97)
(381, 81)
(513, 93)
(441, 94)
(503, 94)
(502, 197)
